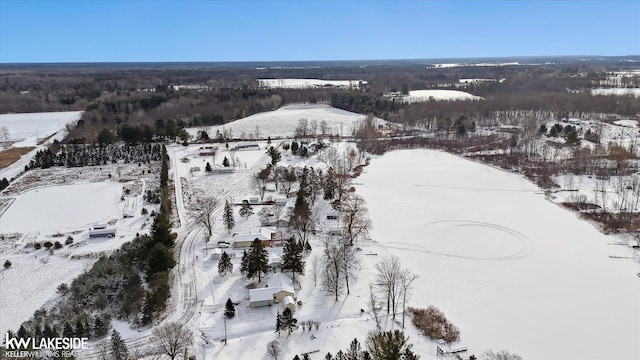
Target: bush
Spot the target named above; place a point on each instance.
(37, 246)
(69, 240)
(7, 264)
(144, 211)
(57, 245)
(48, 244)
(432, 322)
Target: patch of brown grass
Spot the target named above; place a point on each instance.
(9, 156)
(432, 322)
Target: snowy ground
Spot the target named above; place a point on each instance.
(435, 95)
(52, 204)
(308, 83)
(27, 129)
(283, 122)
(34, 126)
(616, 91)
(509, 268)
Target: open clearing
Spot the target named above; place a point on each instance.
(63, 207)
(509, 268)
(12, 155)
(308, 83)
(32, 126)
(283, 122)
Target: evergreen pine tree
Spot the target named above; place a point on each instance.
(287, 321)
(207, 167)
(80, 332)
(244, 263)
(225, 162)
(67, 330)
(224, 264)
(278, 323)
(257, 260)
(119, 349)
(227, 217)
(246, 210)
(292, 257)
(229, 309)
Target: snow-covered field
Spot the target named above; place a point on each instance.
(616, 91)
(438, 95)
(509, 268)
(63, 208)
(50, 205)
(30, 127)
(309, 83)
(25, 130)
(283, 122)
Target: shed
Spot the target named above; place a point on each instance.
(216, 253)
(289, 303)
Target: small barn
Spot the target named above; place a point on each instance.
(281, 293)
(289, 303)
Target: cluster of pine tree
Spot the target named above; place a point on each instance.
(78, 155)
(379, 346)
(131, 284)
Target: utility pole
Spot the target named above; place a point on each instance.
(225, 330)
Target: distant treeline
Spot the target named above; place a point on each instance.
(136, 104)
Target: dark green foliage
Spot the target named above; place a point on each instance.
(7, 264)
(4, 183)
(101, 326)
(292, 257)
(278, 322)
(160, 259)
(224, 264)
(208, 168)
(225, 162)
(275, 155)
(294, 147)
(229, 309)
(572, 138)
(227, 217)
(155, 300)
(67, 330)
(287, 321)
(256, 261)
(48, 244)
(37, 246)
(57, 245)
(161, 231)
(119, 349)
(390, 345)
(246, 210)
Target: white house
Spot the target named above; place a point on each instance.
(216, 253)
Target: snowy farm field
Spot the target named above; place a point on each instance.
(283, 122)
(434, 95)
(62, 205)
(28, 128)
(511, 269)
(308, 83)
(26, 134)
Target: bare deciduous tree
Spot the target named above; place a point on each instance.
(406, 280)
(332, 279)
(355, 218)
(273, 349)
(172, 339)
(387, 279)
(201, 216)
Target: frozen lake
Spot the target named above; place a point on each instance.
(509, 268)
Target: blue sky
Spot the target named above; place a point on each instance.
(145, 30)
